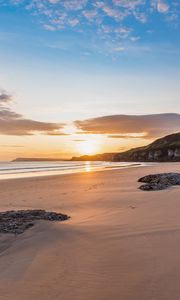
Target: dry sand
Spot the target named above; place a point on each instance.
(120, 243)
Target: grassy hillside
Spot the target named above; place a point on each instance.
(163, 149)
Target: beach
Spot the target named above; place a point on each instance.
(120, 243)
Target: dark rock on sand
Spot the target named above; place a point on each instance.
(161, 181)
(153, 187)
(18, 221)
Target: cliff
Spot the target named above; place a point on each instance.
(163, 149)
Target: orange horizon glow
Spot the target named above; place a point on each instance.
(88, 147)
(64, 147)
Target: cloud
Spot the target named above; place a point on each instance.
(123, 126)
(90, 14)
(56, 133)
(49, 27)
(127, 136)
(131, 5)
(162, 6)
(79, 140)
(13, 123)
(74, 4)
(114, 13)
(94, 16)
(73, 22)
(4, 97)
(11, 146)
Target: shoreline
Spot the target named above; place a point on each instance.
(106, 169)
(120, 242)
(50, 173)
(87, 169)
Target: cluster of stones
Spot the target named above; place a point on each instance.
(159, 181)
(18, 221)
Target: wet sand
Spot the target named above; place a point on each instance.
(121, 243)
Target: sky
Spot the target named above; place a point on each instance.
(84, 77)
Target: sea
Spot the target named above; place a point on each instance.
(12, 170)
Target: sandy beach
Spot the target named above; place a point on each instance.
(121, 243)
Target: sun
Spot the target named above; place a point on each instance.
(88, 148)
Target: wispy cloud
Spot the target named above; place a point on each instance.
(73, 4)
(4, 97)
(162, 6)
(11, 146)
(128, 136)
(13, 123)
(80, 15)
(131, 126)
(78, 141)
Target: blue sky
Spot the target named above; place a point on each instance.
(63, 61)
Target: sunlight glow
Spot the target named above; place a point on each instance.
(88, 147)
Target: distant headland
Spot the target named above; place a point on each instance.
(30, 159)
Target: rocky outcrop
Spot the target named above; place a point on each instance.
(18, 221)
(159, 181)
(164, 149)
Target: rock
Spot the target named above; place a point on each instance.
(153, 187)
(161, 181)
(18, 221)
